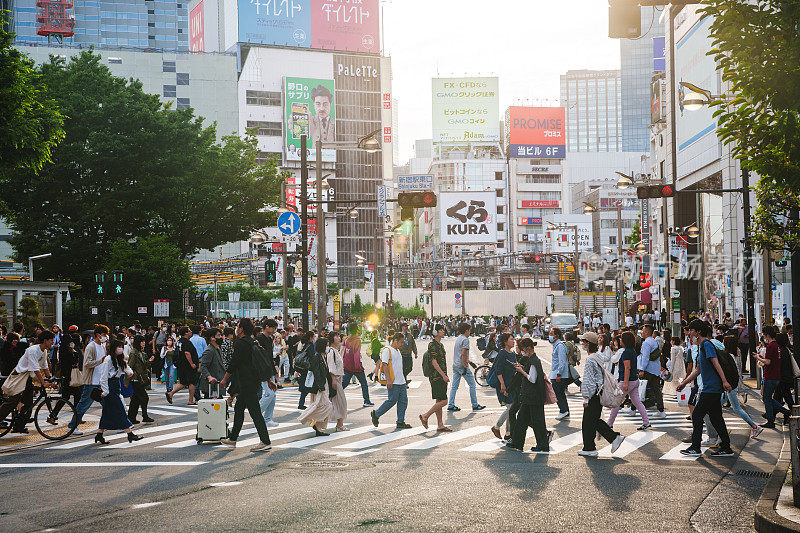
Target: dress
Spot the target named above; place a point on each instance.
(336, 367)
(319, 411)
(114, 415)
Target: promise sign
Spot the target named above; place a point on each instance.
(537, 132)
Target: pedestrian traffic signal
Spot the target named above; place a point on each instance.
(655, 191)
(116, 282)
(624, 19)
(99, 283)
(271, 271)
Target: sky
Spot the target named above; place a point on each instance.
(526, 43)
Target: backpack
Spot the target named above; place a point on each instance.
(728, 367)
(427, 365)
(301, 362)
(491, 379)
(611, 395)
(261, 363)
(481, 343)
(573, 357)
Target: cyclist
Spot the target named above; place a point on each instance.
(34, 363)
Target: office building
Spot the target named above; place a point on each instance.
(537, 193)
(592, 100)
(639, 58)
(611, 205)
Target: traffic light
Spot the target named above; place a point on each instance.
(537, 258)
(271, 271)
(624, 19)
(533, 258)
(99, 283)
(116, 282)
(655, 191)
(409, 201)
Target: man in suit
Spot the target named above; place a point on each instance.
(323, 126)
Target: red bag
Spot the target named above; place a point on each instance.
(549, 393)
(352, 360)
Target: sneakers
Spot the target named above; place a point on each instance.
(756, 431)
(659, 414)
(561, 416)
(479, 407)
(369, 404)
(719, 452)
(301, 407)
(692, 452)
(272, 424)
(617, 443)
(374, 418)
(588, 453)
(261, 447)
(453, 408)
(645, 427)
(768, 425)
(403, 425)
(77, 432)
(147, 420)
(711, 442)
(228, 442)
(687, 440)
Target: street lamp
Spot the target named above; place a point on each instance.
(624, 181)
(353, 213)
(697, 97)
(693, 231)
(588, 208)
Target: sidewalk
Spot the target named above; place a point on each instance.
(775, 511)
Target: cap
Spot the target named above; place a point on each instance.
(73, 328)
(590, 336)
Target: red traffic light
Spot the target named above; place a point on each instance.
(537, 259)
(667, 191)
(417, 199)
(655, 191)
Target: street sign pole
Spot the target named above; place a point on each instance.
(322, 285)
(304, 226)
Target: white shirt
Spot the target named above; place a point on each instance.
(107, 371)
(335, 361)
(32, 360)
(100, 349)
(628, 321)
(390, 354)
(596, 322)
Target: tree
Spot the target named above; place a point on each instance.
(129, 167)
(31, 317)
(636, 233)
(521, 309)
(757, 50)
(357, 308)
(30, 123)
(152, 268)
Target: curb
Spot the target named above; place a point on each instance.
(767, 519)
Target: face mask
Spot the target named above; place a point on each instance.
(104, 339)
(552, 339)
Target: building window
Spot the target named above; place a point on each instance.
(499, 193)
(501, 244)
(183, 103)
(500, 226)
(115, 60)
(499, 209)
(168, 66)
(272, 98)
(543, 178)
(268, 129)
(612, 239)
(183, 78)
(498, 176)
(170, 91)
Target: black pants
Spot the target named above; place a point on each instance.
(66, 392)
(708, 403)
(513, 412)
(655, 387)
(248, 398)
(139, 398)
(408, 365)
(530, 415)
(784, 394)
(592, 424)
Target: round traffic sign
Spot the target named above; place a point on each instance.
(289, 223)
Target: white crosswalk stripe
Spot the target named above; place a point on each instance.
(631, 443)
(193, 442)
(382, 439)
(314, 441)
(122, 435)
(282, 436)
(444, 438)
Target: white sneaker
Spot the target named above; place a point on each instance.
(711, 442)
(756, 431)
(592, 453)
(261, 447)
(561, 416)
(658, 414)
(77, 432)
(272, 424)
(617, 443)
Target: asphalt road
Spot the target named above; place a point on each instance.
(378, 479)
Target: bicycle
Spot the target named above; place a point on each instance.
(45, 416)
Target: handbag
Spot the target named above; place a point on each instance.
(96, 395)
(309, 380)
(795, 366)
(382, 376)
(15, 384)
(75, 378)
(642, 389)
(573, 374)
(549, 393)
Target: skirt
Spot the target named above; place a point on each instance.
(319, 411)
(114, 415)
(339, 402)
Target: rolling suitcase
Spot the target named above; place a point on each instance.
(212, 419)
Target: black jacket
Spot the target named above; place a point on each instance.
(319, 367)
(532, 393)
(241, 366)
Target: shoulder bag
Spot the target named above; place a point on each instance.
(15, 384)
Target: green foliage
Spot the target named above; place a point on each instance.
(30, 123)
(636, 232)
(757, 49)
(521, 309)
(357, 308)
(408, 312)
(129, 167)
(31, 316)
(405, 283)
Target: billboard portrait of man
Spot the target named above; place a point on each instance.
(323, 126)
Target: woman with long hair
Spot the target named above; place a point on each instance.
(113, 415)
(138, 380)
(168, 356)
(333, 358)
(8, 359)
(318, 383)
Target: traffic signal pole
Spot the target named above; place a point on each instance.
(322, 278)
(284, 260)
(304, 227)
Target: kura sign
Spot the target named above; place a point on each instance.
(468, 217)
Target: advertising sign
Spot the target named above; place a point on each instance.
(416, 182)
(562, 240)
(655, 100)
(142, 310)
(534, 204)
(196, 37)
(527, 221)
(537, 132)
(468, 217)
(309, 110)
(466, 110)
(658, 54)
(346, 25)
(161, 308)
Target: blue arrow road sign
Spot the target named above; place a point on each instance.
(289, 223)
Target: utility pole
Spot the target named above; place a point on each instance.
(620, 270)
(285, 265)
(766, 266)
(577, 276)
(378, 237)
(391, 276)
(463, 306)
(304, 227)
(750, 303)
(322, 286)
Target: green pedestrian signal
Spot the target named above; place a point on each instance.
(116, 278)
(99, 282)
(99, 289)
(271, 271)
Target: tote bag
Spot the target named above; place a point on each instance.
(549, 393)
(15, 384)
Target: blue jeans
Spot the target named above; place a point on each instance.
(361, 379)
(770, 386)
(83, 405)
(458, 373)
(398, 394)
(733, 397)
(560, 388)
(168, 374)
(267, 401)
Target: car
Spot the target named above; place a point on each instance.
(564, 322)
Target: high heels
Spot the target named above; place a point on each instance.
(98, 438)
(133, 436)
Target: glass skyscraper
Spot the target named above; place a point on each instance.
(591, 99)
(117, 23)
(636, 60)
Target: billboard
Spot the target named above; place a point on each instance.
(562, 240)
(196, 31)
(466, 110)
(537, 132)
(468, 217)
(345, 25)
(309, 109)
